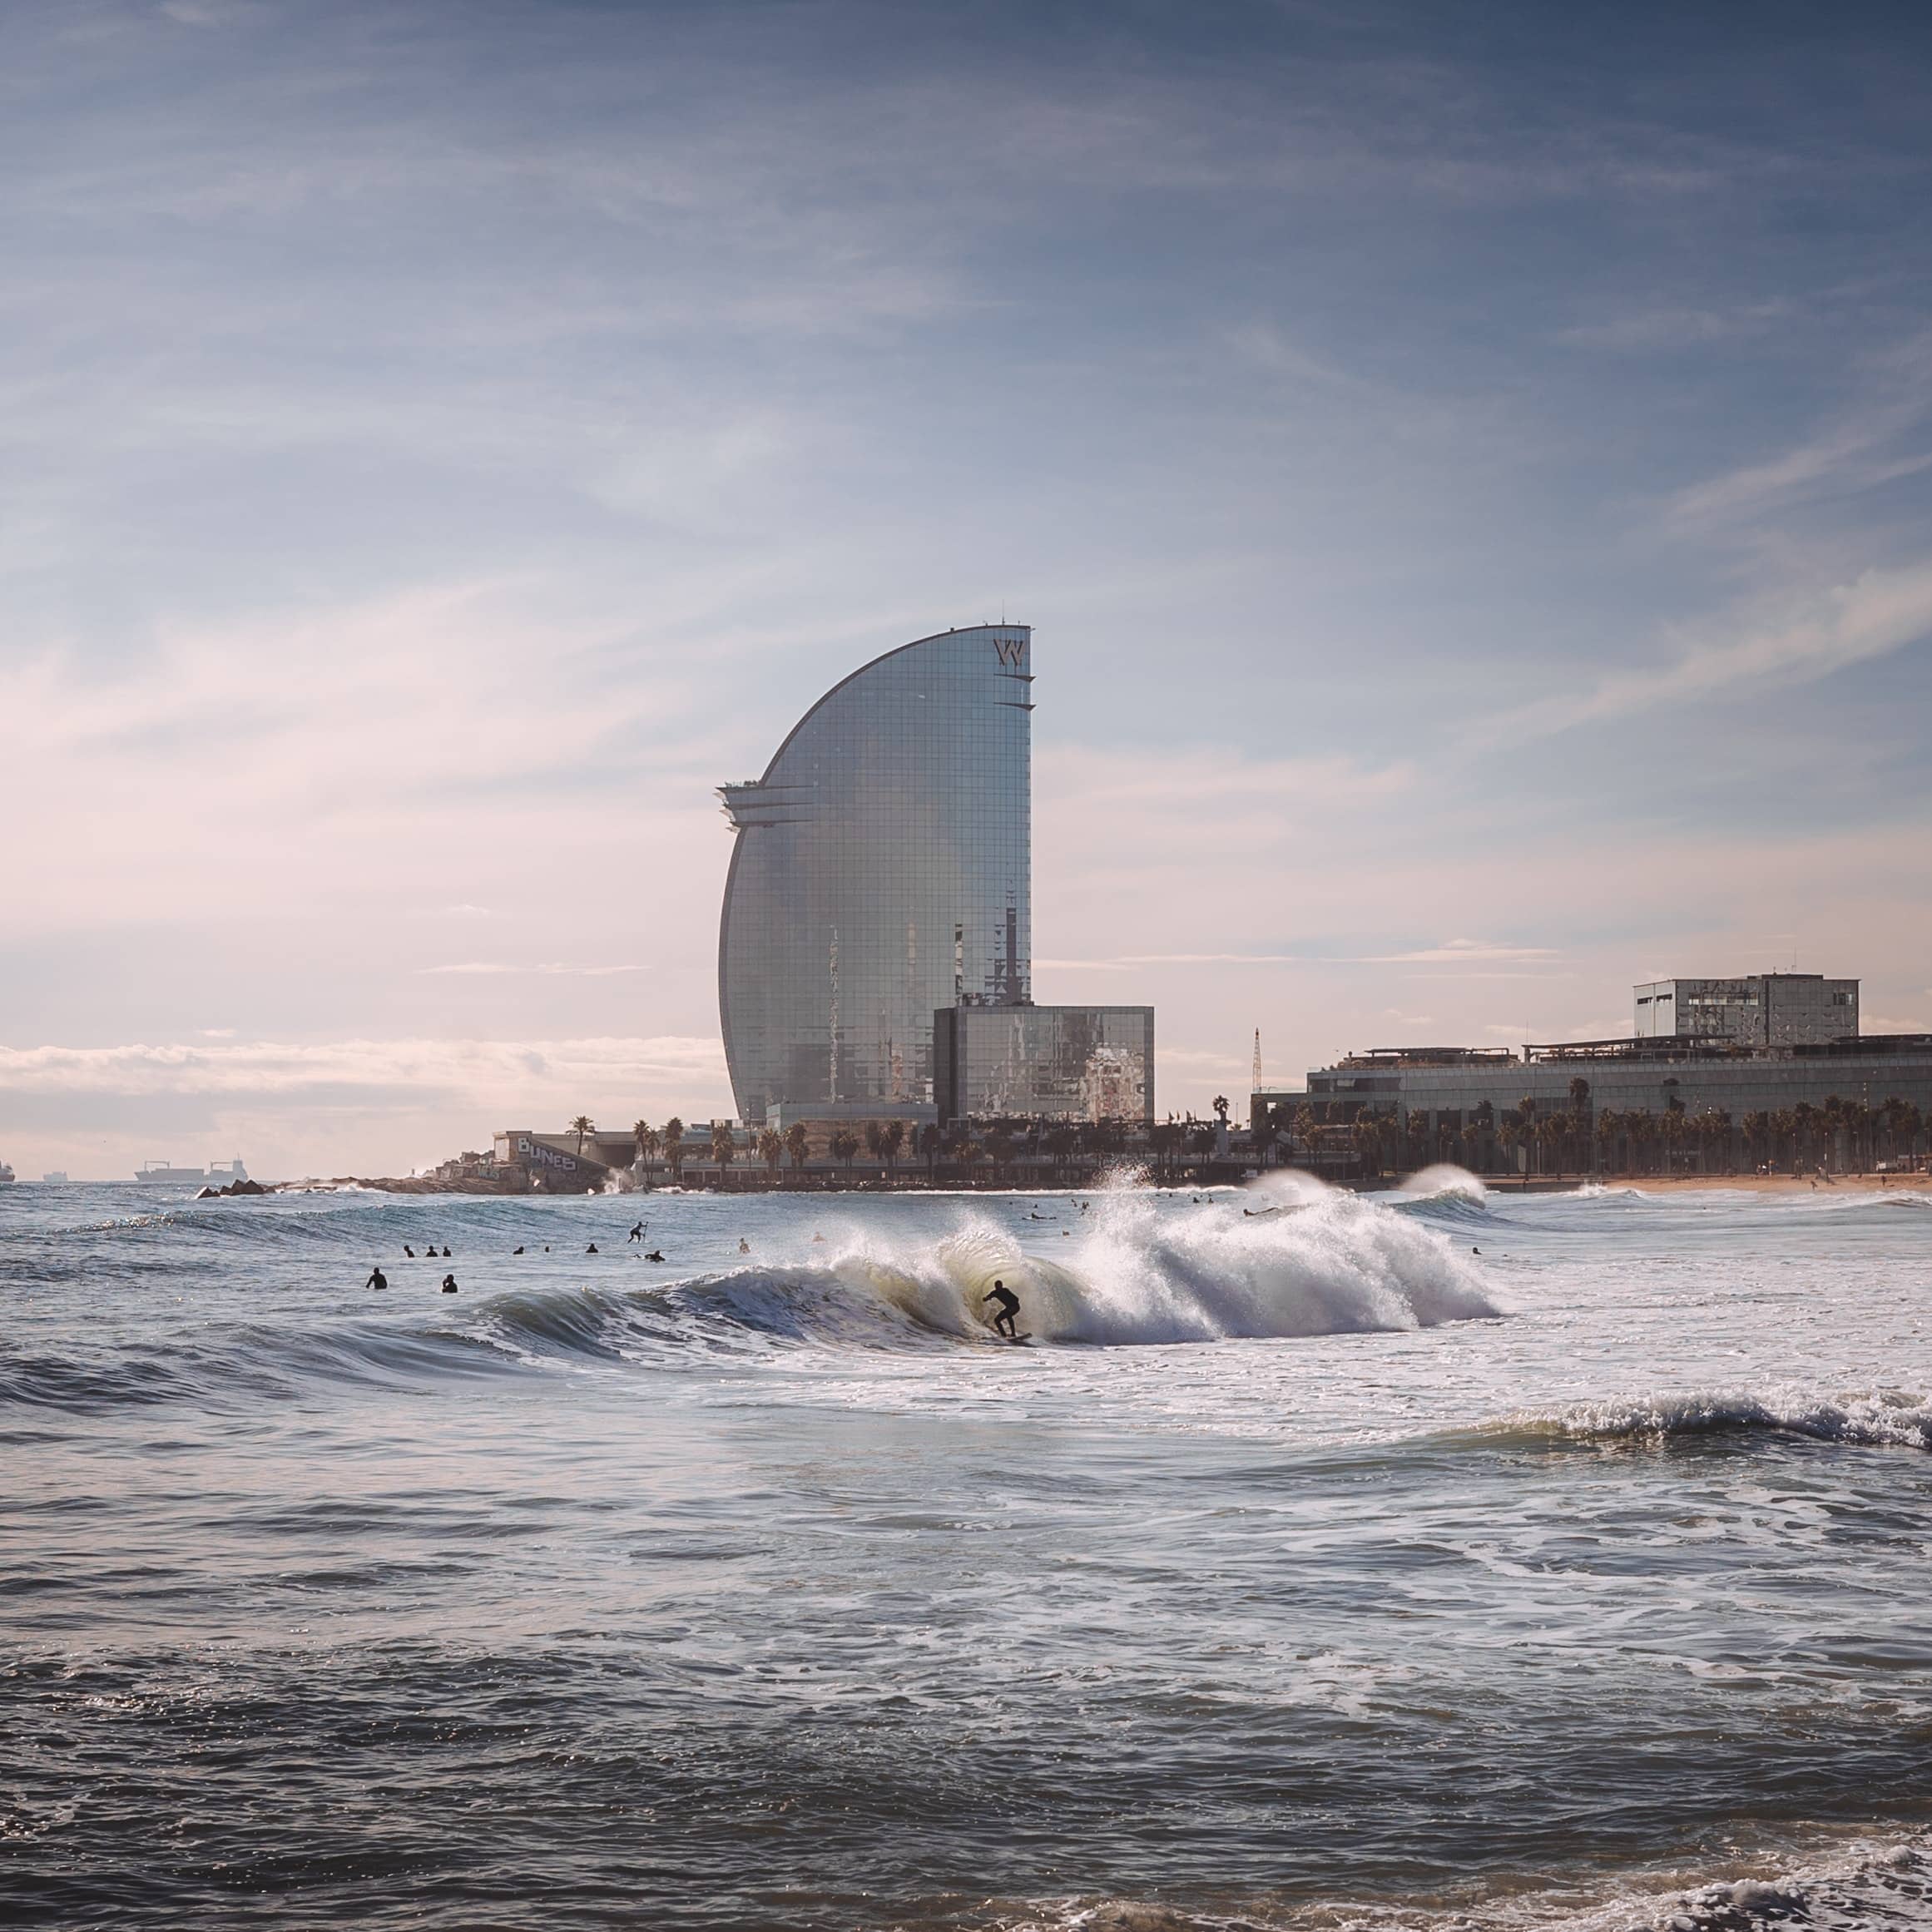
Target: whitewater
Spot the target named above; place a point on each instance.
(1436, 1558)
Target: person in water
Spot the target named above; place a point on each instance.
(516, 1250)
(1008, 1302)
(449, 1283)
(638, 1234)
(377, 1278)
(656, 1255)
(591, 1249)
(445, 1253)
(408, 1250)
(743, 1245)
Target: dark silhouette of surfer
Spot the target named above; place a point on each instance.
(656, 1255)
(638, 1234)
(449, 1283)
(445, 1253)
(408, 1250)
(377, 1278)
(1008, 1302)
(591, 1249)
(516, 1250)
(743, 1245)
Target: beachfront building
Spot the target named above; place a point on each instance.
(876, 951)
(1761, 1009)
(1720, 1053)
(1070, 1064)
(882, 870)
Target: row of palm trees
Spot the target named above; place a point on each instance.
(1061, 1148)
(1577, 1138)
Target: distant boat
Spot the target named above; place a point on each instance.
(5, 1175)
(162, 1174)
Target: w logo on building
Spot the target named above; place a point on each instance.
(1010, 650)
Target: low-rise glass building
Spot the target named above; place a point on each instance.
(1051, 1062)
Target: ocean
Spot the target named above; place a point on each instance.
(1432, 1560)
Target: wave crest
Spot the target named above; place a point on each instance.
(1874, 1419)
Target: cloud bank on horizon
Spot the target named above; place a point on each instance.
(1471, 477)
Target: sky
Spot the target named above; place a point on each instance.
(1469, 470)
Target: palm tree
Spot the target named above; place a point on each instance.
(895, 1138)
(1366, 1133)
(875, 1141)
(1526, 1117)
(999, 1151)
(674, 1149)
(1804, 1133)
(961, 1146)
(583, 1124)
(723, 1146)
(1712, 1125)
(930, 1140)
(771, 1150)
(798, 1144)
(1671, 1127)
(1605, 1123)
(1901, 1122)
(844, 1145)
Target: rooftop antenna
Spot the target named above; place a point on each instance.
(1255, 1086)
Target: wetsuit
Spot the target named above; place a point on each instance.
(1009, 1308)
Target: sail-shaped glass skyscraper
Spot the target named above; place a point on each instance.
(882, 872)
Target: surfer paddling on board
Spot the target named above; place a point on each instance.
(1003, 1323)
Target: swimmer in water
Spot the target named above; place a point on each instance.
(1008, 1302)
(408, 1250)
(656, 1255)
(377, 1278)
(516, 1250)
(591, 1249)
(449, 1283)
(445, 1253)
(743, 1245)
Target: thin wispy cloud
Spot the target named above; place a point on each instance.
(1880, 613)
(488, 968)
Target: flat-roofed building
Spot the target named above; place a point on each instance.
(1760, 1009)
(1045, 1062)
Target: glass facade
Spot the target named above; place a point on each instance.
(882, 871)
(1054, 1062)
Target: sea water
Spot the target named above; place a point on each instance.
(1433, 1559)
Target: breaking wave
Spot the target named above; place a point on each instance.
(1874, 1419)
(1138, 1274)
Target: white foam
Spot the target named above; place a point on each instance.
(1877, 1417)
(1145, 1269)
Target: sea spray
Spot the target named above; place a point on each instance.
(1146, 1269)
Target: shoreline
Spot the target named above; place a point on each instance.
(1919, 1184)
